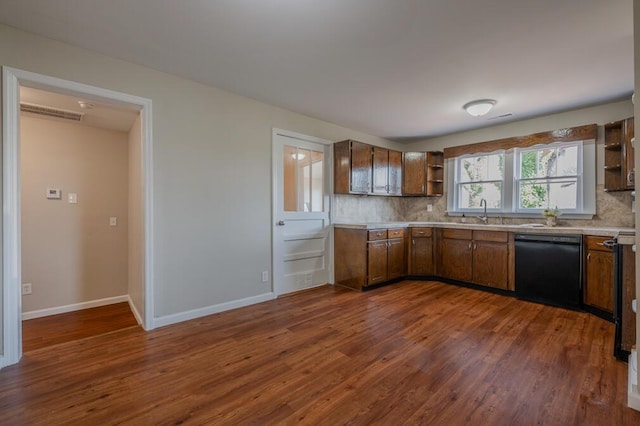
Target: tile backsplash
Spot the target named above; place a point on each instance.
(613, 210)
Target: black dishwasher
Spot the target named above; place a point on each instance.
(548, 269)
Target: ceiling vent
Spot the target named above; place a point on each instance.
(50, 112)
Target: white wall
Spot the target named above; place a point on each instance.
(600, 115)
(212, 170)
(70, 254)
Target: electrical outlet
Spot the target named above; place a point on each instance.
(265, 276)
(26, 288)
(429, 207)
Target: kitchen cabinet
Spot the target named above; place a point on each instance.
(421, 259)
(368, 257)
(360, 168)
(628, 294)
(352, 167)
(475, 256)
(619, 168)
(423, 173)
(598, 274)
(387, 171)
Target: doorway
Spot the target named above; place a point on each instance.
(301, 210)
(13, 81)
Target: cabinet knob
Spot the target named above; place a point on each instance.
(281, 223)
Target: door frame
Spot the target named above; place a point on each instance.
(12, 79)
(274, 200)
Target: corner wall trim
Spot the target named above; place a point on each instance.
(136, 314)
(74, 307)
(213, 309)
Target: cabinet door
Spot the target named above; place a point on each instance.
(380, 170)
(628, 154)
(396, 258)
(395, 173)
(490, 264)
(422, 256)
(377, 262)
(456, 259)
(360, 167)
(414, 173)
(598, 287)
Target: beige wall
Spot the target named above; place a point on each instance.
(135, 216)
(212, 170)
(613, 209)
(69, 252)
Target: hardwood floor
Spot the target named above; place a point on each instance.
(411, 353)
(39, 333)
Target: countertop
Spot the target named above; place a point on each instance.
(602, 232)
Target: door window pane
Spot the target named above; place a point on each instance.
(303, 180)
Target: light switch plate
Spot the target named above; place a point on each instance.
(72, 197)
(113, 221)
(429, 207)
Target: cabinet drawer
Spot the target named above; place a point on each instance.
(457, 234)
(597, 243)
(421, 232)
(495, 236)
(377, 234)
(395, 232)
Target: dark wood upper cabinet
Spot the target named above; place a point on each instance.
(415, 173)
(395, 173)
(360, 168)
(387, 171)
(619, 168)
(423, 173)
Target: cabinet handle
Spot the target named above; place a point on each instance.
(469, 245)
(588, 256)
(413, 242)
(475, 246)
(378, 234)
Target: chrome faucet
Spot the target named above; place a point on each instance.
(484, 218)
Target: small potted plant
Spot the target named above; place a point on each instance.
(551, 215)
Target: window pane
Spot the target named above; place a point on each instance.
(481, 168)
(303, 180)
(541, 194)
(470, 194)
(568, 161)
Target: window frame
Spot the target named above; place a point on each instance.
(458, 181)
(517, 179)
(586, 196)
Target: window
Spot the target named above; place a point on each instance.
(549, 176)
(480, 177)
(524, 181)
(303, 180)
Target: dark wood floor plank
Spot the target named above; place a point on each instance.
(410, 353)
(51, 330)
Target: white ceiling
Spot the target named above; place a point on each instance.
(101, 115)
(392, 68)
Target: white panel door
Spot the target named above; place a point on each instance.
(301, 204)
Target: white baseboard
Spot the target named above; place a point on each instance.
(633, 397)
(210, 310)
(135, 312)
(74, 307)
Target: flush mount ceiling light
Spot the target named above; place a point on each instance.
(86, 105)
(480, 107)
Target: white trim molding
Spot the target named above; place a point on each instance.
(12, 79)
(213, 309)
(74, 307)
(136, 314)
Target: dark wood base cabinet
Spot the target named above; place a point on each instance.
(476, 257)
(598, 274)
(369, 257)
